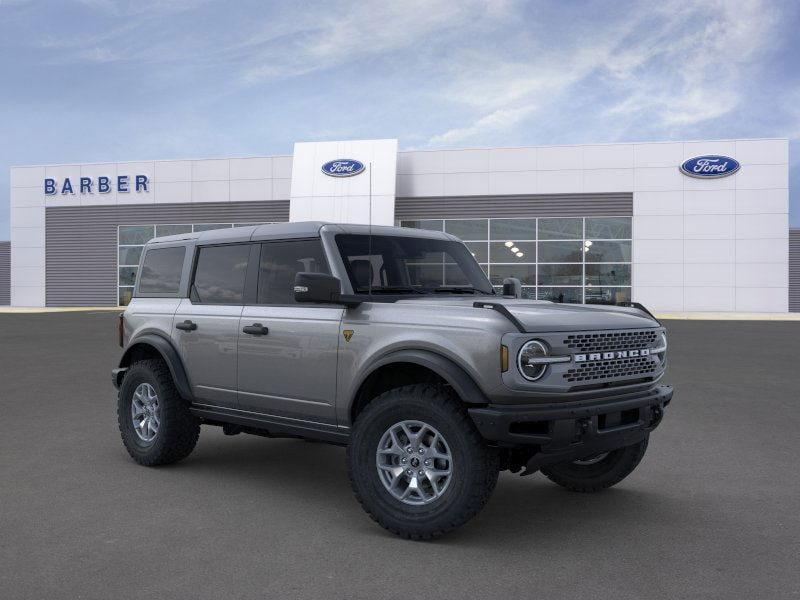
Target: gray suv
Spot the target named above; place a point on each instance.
(391, 342)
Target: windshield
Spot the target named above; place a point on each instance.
(408, 265)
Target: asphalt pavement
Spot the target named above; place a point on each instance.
(713, 511)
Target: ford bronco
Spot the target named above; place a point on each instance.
(394, 343)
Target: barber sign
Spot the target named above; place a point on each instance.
(342, 167)
(710, 166)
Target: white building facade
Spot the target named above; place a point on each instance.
(590, 223)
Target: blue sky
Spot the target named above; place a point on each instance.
(98, 80)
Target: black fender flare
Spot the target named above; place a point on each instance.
(461, 382)
(170, 355)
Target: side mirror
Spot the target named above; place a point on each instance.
(319, 287)
(512, 287)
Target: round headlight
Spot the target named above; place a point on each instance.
(532, 350)
(662, 349)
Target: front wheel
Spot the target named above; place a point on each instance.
(417, 464)
(598, 472)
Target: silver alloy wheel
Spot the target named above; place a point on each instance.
(414, 462)
(145, 412)
(590, 460)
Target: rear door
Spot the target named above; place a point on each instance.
(206, 325)
(288, 351)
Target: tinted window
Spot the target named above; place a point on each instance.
(280, 262)
(161, 271)
(220, 272)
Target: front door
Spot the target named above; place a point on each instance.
(288, 351)
(206, 325)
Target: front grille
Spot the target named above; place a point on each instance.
(612, 340)
(616, 368)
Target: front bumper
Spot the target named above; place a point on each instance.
(560, 432)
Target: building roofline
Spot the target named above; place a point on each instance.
(624, 143)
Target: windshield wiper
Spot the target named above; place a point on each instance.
(454, 289)
(389, 289)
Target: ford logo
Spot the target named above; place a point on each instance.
(710, 166)
(342, 167)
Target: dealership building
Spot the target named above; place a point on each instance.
(677, 226)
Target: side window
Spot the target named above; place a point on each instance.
(367, 270)
(280, 262)
(161, 270)
(219, 274)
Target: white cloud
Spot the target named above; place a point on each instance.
(312, 41)
(670, 65)
(500, 119)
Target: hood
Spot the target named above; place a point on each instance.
(542, 316)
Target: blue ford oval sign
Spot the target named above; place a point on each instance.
(343, 167)
(710, 166)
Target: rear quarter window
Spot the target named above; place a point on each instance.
(161, 271)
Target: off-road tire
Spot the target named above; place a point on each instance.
(475, 465)
(178, 429)
(596, 477)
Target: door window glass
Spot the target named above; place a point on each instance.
(219, 276)
(280, 262)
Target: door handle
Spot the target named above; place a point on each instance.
(187, 325)
(255, 329)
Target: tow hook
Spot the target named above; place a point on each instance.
(581, 427)
(657, 415)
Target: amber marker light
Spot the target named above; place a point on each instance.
(504, 358)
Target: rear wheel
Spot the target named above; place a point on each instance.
(156, 425)
(597, 472)
(417, 464)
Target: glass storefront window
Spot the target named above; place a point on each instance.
(512, 230)
(127, 275)
(162, 230)
(521, 252)
(129, 255)
(132, 235)
(561, 229)
(607, 295)
(607, 251)
(210, 226)
(468, 229)
(429, 224)
(564, 259)
(525, 273)
(560, 275)
(608, 274)
(570, 295)
(560, 252)
(608, 228)
(528, 292)
(125, 295)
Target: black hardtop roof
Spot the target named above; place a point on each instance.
(298, 229)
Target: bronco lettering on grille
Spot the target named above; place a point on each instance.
(611, 355)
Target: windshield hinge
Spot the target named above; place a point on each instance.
(503, 311)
